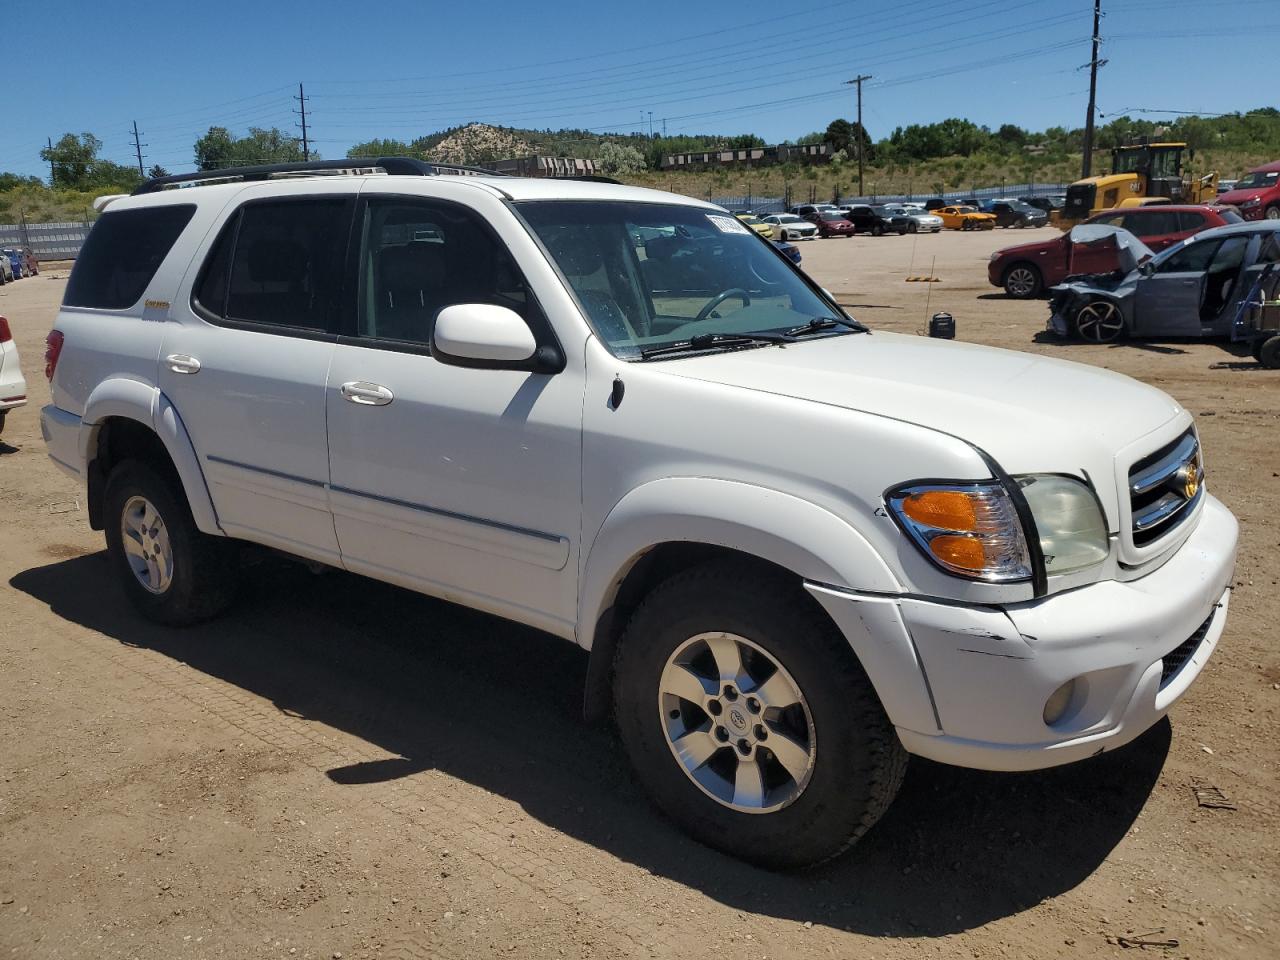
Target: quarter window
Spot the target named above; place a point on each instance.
(419, 257)
(122, 254)
(1192, 258)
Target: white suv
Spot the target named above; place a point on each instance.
(797, 550)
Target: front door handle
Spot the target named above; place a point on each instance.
(181, 363)
(367, 394)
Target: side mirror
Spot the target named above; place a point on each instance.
(1147, 268)
(482, 335)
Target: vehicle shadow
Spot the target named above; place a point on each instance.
(6, 448)
(415, 676)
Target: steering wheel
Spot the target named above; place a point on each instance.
(720, 298)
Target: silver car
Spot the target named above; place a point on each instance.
(923, 220)
(787, 226)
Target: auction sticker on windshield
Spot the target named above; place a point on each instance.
(727, 224)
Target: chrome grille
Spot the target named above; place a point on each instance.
(1164, 488)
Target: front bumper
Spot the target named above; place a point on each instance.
(1132, 649)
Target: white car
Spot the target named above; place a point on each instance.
(925, 222)
(796, 549)
(787, 226)
(13, 388)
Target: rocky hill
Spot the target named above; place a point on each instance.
(476, 143)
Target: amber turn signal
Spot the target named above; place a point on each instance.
(958, 551)
(942, 509)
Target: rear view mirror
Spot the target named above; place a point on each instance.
(482, 335)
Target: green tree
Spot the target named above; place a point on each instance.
(11, 181)
(218, 148)
(157, 171)
(71, 158)
(618, 158)
(381, 148)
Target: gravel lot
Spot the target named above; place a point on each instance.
(331, 770)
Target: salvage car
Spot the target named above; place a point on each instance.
(1014, 213)
(788, 250)
(755, 223)
(921, 221)
(964, 217)
(13, 387)
(1192, 289)
(831, 223)
(1047, 204)
(788, 226)
(1257, 194)
(1028, 269)
(876, 220)
(796, 550)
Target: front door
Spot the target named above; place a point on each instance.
(1168, 302)
(245, 370)
(456, 482)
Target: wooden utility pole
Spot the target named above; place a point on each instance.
(857, 82)
(1086, 166)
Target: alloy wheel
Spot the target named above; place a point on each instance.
(146, 545)
(737, 723)
(1099, 322)
(1021, 282)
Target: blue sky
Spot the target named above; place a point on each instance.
(401, 69)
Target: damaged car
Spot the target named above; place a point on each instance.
(1192, 289)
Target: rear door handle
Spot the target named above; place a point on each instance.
(367, 394)
(181, 363)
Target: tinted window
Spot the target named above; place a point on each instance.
(1151, 223)
(121, 255)
(211, 289)
(1190, 220)
(1269, 252)
(286, 269)
(419, 257)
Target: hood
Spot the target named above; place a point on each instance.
(1032, 413)
(1031, 249)
(1233, 198)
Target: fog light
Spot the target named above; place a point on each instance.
(1057, 704)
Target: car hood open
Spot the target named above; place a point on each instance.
(1033, 414)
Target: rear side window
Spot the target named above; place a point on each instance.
(1190, 220)
(123, 252)
(1151, 223)
(278, 264)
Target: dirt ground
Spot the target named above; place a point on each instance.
(319, 775)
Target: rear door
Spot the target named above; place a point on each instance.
(1158, 229)
(246, 368)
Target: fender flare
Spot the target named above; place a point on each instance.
(824, 550)
(145, 404)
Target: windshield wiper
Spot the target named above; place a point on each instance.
(706, 341)
(825, 323)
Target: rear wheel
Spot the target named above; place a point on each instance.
(1099, 321)
(1022, 281)
(877, 230)
(1269, 353)
(913, 228)
(171, 572)
(749, 720)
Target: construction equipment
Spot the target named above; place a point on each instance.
(1141, 174)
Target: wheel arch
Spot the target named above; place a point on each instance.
(669, 525)
(130, 419)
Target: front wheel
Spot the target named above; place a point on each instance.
(1022, 281)
(749, 720)
(877, 230)
(1269, 353)
(1099, 321)
(171, 572)
(1273, 212)
(913, 228)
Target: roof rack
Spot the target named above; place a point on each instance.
(398, 166)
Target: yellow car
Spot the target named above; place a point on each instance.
(755, 223)
(965, 218)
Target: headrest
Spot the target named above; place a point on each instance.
(416, 265)
(662, 248)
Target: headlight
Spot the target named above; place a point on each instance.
(969, 529)
(994, 255)
(1068, 520)
(1252, 202)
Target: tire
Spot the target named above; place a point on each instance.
(785, 238)
(3, 416)
(1023, 281)
(201, 576)
(877, 230)
(1272, 212)
(798, 821)
(1099, 321)
(1269, 353)
(913, 228)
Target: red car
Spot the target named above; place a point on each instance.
(1028, 269)
(1257, 194)
(831, 223)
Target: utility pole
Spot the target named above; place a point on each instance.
(664, 127)
(137, 148)
(857, 81)
(1086, 166)
(302, 111)
(49, 140)
(650, 124)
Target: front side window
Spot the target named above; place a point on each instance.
(122, 253)
(651, 275)
(418, 257)
(1189, 257)
(283, 265)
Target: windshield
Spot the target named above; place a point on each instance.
(791, 218)
(1257, 179)
(831, 215)
(699, 272)
(966, 209)
(883, 211)
(750, 220)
